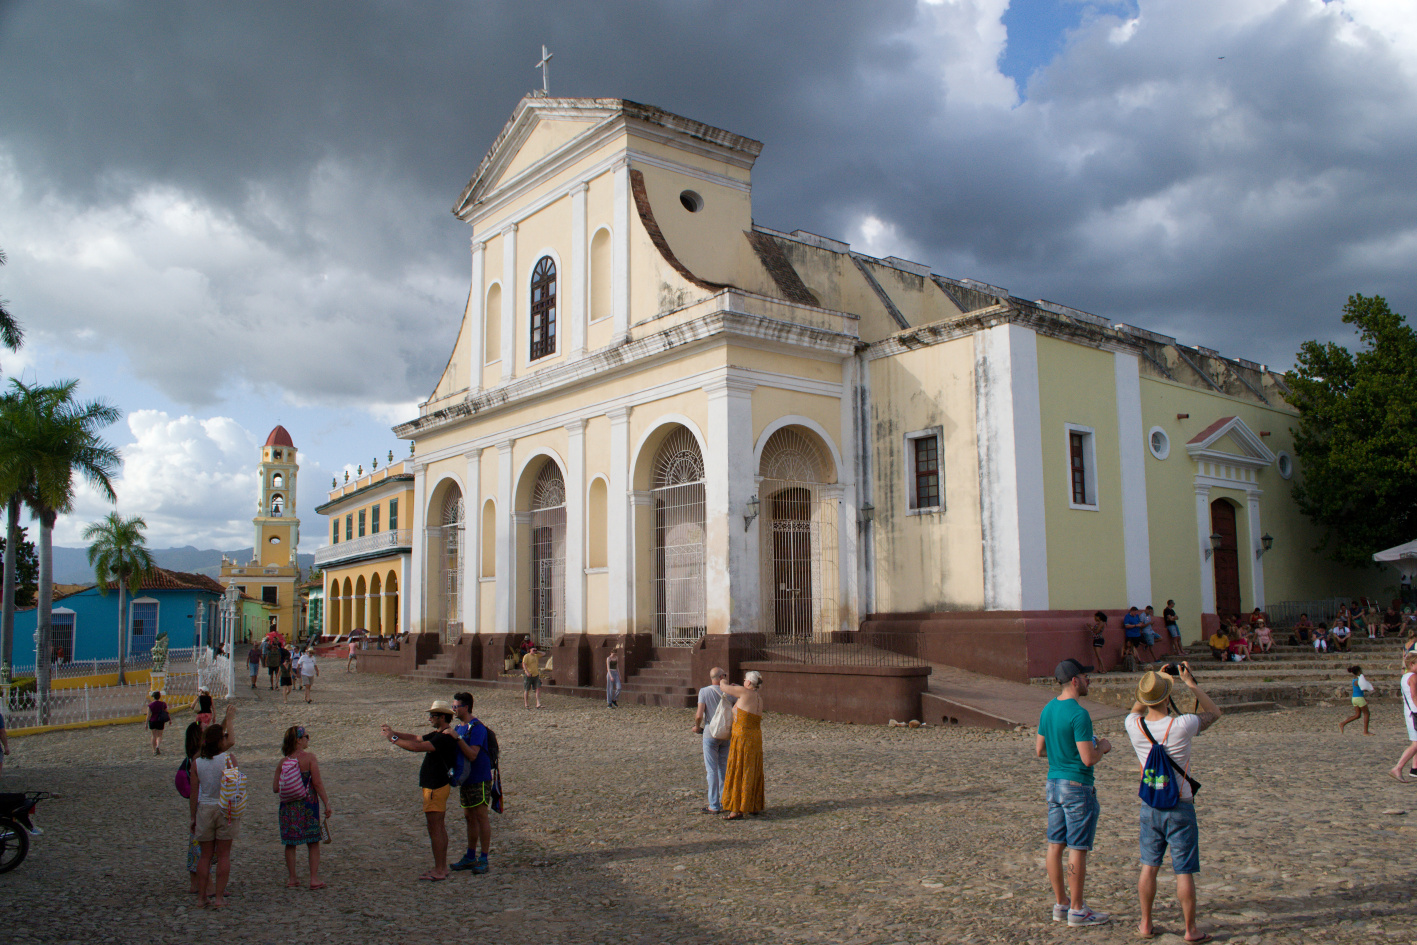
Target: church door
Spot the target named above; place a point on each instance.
(791, 525)
(548, 556)
(1226, 559)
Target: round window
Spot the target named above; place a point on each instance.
(275, 539)
(1286, 465)
(691, 201)
(1159, 442)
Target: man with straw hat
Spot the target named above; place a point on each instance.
(440, 748)
(1151, 723)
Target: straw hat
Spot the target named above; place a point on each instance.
(1154, 689)
(443, 706)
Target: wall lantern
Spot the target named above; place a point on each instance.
(866, 514)
(1266, 543)
(1216, 540)
(750, 512)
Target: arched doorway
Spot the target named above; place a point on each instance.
(679, 588)
(798, 535)
(332, 609)
(348, 608)
(1226, 558)
(361, 599)
(375, 618)
(445, 564)
(548, 555)
(390, 625)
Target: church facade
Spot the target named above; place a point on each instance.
(272, 575)
(661, 418)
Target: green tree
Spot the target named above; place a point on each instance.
(118, 552)
(47, 441)
(1356, 442)
(11, 335)
(26, 569)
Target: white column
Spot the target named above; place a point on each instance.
(617, 523)
(476, 315)
(506, 541)
(472, 544)
(620, 280)
(731, 568)
(1252, 503)
(521, 525)
(848, 534)
(1008, 427)
(413, 589)
(580, 269)
(509, 301)
(405, 599)
(1132, 451)
(1203, 550)
(575, 527)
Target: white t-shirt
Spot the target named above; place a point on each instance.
(1183, 728)
(209, 778)
(307, 665)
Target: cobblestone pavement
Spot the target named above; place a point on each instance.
(871, 834)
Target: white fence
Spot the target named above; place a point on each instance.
(94, 703)
(177, 661)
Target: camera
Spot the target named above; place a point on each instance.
(1172, 669)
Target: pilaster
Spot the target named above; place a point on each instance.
(472, 544)
(510, 294)
(476, 316)
(731, 550)
(620, 280)
(618, 524)
(506, 541)
(579, 270)
(1203, 550)
(413, 593)
(575, 527)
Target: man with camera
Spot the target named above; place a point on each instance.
(1152, 724)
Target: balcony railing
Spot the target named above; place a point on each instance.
(394, 540)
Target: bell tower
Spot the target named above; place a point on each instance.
(277, 527)
(272, 576)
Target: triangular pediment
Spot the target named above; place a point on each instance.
(1230, 440)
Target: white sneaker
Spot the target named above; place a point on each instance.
(1060, 911)
(1085, 916)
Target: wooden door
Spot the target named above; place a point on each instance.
(1226, 559)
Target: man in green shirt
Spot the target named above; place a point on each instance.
(1065, 739)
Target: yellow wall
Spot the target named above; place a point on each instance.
(929, 561)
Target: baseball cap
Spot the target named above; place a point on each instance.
(1067, 669)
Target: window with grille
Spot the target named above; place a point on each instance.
(679, 541)
(61, 635)
(924, 479)
(361, 523)
(1082, 468)
(374, 521)
(543, 309)
(145, 619)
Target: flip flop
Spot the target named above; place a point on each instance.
(318, 885)
(1397, 777)
(1205, 937)
(430, 877)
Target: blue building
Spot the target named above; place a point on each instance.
(85, 622)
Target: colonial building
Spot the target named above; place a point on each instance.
(367, 561)
(661, 418)
(273, 572)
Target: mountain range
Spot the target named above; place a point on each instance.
(71, 565)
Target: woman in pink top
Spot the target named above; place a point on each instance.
(1264, 636)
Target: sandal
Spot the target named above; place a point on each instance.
(1205, 937)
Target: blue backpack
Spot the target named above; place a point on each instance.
(1159, 786)
(461, 772)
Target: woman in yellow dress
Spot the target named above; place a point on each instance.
(743, 784)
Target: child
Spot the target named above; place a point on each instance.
(1321, 638)
(1098, 629)
(1361, 688)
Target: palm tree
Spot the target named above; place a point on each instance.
(45, 439)
(119, 553)
(12, 493)
(11, 335)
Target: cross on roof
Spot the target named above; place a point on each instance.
(545, 58)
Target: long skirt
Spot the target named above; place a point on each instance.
(743, 784)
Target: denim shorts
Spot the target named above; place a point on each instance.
(1175, 828)
(1072, 813)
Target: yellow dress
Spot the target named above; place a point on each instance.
(743, 784)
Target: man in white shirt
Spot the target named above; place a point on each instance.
(308, 671)
(1177, 827)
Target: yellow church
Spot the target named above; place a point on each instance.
(273, 573)
(663, 425)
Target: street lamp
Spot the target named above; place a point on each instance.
(1266, 543)
(1216, 540)
(750, 512)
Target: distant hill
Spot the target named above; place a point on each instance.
(71, 565)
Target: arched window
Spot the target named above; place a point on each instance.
(548, 555)
(277, 505)
(543, 309)
(679, 534)
(277, 481)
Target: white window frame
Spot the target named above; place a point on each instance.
(908, 465)
(1281, 460)
(1089, 466)
(73, 632)
(1165, 450)
(157, 612)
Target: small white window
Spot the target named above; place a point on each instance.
(925, 470)
(1081, 445)
(1285, 463)
(1159, 442)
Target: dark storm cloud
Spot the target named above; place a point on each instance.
(309, 153)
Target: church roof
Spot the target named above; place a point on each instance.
(279, 437)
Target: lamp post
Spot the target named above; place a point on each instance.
(228, 634)
(1216, 540)
(1266, 543)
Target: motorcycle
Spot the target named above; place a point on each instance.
(17, 826)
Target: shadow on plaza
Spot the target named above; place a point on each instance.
(831, 805)
(1373, 902)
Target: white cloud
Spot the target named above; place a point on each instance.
(192, 479)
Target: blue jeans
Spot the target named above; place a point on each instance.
(612, 686)
(1175, 828)
(1072, 813)
(716, 766)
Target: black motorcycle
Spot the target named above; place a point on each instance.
(16, 825)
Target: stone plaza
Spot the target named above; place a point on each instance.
(871, 834)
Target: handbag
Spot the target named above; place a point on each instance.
(720, 726)
(325, 829)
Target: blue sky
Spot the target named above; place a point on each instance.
(223, 217)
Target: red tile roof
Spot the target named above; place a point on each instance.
(279, 437)
(161, 579)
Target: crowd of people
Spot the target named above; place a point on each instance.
(288, 662)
